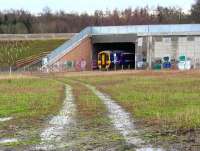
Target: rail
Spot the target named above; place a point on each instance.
(67, 46)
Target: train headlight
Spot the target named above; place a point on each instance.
(99, 62)
(108, 62)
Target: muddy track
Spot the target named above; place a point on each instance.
(123, 122)
(66, 132)
(59, 126)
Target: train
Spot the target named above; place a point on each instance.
(115, 59)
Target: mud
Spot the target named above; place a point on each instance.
(8, 140)
(6, 119)
(52, 136)
(123, 122)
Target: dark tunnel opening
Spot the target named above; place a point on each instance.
(126, 48)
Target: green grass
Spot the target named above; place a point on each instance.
(162, 101)
(90, 109)
(38, 46)
(93, 120)
(29, 101)
(29, 97)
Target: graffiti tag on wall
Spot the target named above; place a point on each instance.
(81, 65)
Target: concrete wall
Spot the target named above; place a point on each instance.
(158, 46)
(36, 36)
(176, 46)
(80, 55)
(164, 46)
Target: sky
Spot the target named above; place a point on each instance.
(79, 6)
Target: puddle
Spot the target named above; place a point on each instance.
(122, 121)
(149, 149)
(8, 140)
(5, 119)
(52, 136)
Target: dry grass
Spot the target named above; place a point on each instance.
(5, 76)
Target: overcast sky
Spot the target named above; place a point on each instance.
(89, 6)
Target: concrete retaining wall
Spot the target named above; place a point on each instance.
(176, 46)
(47, 36)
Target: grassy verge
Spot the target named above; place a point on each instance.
(29, 101)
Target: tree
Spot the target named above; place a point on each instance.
(195, 12)
(20, 28)
(20, 21)
(127, 15)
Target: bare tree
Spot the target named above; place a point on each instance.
(195, 12)
(20, 21)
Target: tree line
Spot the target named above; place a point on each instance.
(23, 22)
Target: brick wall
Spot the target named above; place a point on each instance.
(82, 52)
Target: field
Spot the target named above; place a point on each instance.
(170, 101)
(165, 108)
(95, 128)
(29, 101)
(165, 104)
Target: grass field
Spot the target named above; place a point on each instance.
(168, 102)
(29, 101)
(95, 127)
(164, 105)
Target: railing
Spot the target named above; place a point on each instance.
(118, 30)
(146, 29)
(67, 46)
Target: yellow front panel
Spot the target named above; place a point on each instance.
(103, 59)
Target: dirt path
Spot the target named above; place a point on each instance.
(68, 131)
(65, 132)
(58, 127)
(123, 122)
(96, 131)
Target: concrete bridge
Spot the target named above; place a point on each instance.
(149, 42)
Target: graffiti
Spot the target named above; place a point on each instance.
(81, 65)
(69, 65)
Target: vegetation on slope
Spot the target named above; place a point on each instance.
(20, 50)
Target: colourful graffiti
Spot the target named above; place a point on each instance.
(81, 65)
